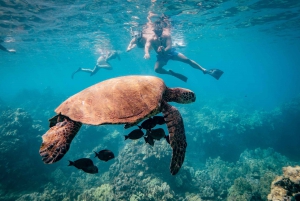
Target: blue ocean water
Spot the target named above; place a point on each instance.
(256, 43)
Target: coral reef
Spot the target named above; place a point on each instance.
(223, 161)
(18, 136)
(103, 193)
(247, 179)
(141, 172)
(225, 130)
(286, 186)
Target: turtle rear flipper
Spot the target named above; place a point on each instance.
(176, 136)
(57, 140)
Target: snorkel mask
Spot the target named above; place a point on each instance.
(158, 31)
(136, 34)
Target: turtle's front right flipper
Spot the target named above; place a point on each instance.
(57, 140)
(176, 136)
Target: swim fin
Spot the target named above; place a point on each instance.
(179, 76)
(79, 69)
(216, 73)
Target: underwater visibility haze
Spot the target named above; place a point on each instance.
(242, 131)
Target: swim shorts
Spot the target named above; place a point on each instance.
(166, 57)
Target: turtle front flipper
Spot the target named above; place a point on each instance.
(176, 135)
(57, 140)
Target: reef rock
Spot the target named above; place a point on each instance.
(285, 187)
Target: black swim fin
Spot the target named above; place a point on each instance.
(79, 69)
(179, 76)
(216, 73)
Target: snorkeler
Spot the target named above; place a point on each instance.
(5, 49)
(161, 42)
(139, 38)
(102, 62)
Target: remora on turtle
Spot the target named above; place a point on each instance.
(123, 100)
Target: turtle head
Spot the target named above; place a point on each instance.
(179, 95)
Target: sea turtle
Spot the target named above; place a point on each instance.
(122, 100)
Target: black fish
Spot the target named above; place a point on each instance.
(157, 133)
(135, 134)
(167, 138)
(149, 140)
(160, 120)
(105, 155)
(84, 164)
(148, 124)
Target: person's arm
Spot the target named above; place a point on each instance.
(131, 45)
(168, 43)
(150, 15)
(147, 49)
(161, 49)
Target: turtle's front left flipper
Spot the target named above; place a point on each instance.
(176, 135)
(57, 140)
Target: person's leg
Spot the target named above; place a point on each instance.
(78, 70)
(106, 66)
(87, 70)
(184, 59)
(216, 73)
(93, 72)
(159, 69)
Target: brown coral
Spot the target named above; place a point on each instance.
(284, 187)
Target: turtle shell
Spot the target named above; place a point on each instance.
(121, 100)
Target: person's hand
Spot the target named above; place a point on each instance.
(147, 56)
(161, 49)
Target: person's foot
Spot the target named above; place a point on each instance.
(216, 73)
(79, 69)
(11, 51)
(93, 73)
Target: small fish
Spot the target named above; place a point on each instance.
(167, 138)
(84, 164)
(160, 120)
(149, 140)
(134, 135)
(157, 133)
(105, 155)
(148, 124)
